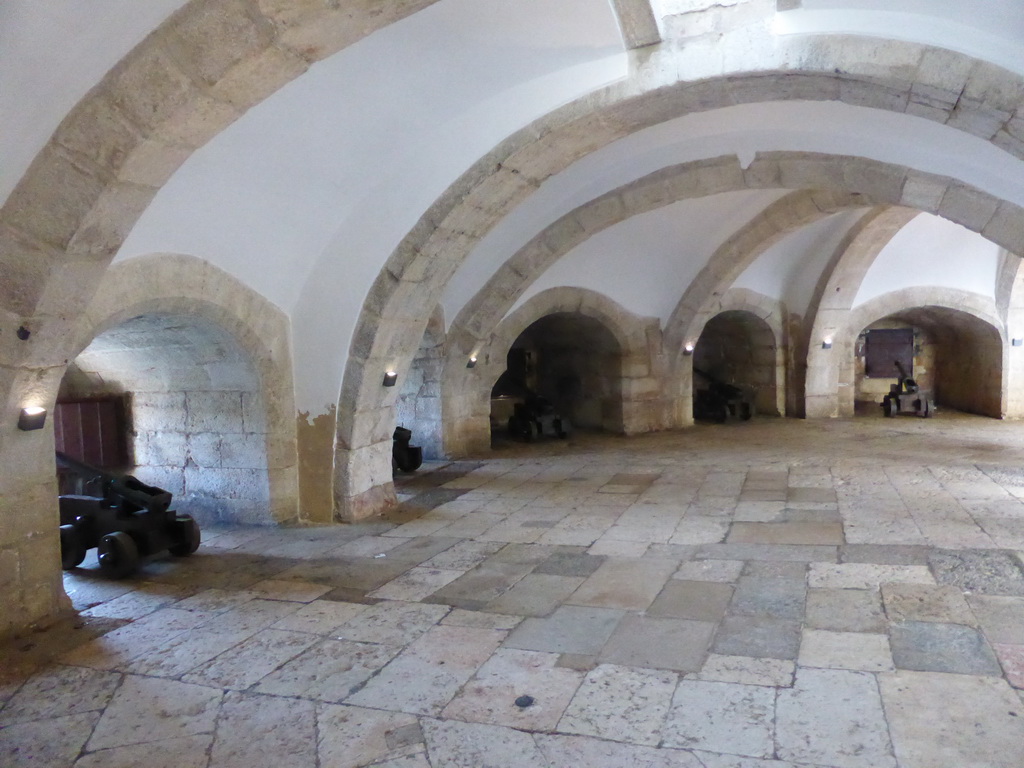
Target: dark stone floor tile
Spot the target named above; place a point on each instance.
(736, 551)
(577, 661)
(483, 584)
(885, 554)
(570, 629)
(809, 516)
(932, 647)
(422, 548)
(759, 637)
(346, 595)
(983, 571)
(804, 533)
(695, 600)
(658, 643)
(812, 495)
(570, 564)
(845, 610)
(777, 569)
(778, 598)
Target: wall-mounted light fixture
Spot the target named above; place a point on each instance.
(826, 344)
(31, 418)
(471, 363)
(688, 349)
(390, 378)
(1017, 342)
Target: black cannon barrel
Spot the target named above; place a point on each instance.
(120, 489)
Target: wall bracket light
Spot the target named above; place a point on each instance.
(688, 349)
(1017, 342)
(826, 344)
(390, 378)
(31, 418)
(471, 363)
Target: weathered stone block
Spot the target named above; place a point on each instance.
(1006, 227)
(104, 228)
(923, 191)
(153, 162)
(196, 122)
(36, 208)
(213, 412)
(149, 86)
(211, 37)
(967, 206)
(97, 129)
(156, 411)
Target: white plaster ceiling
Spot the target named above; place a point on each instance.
(791, 269)
(646, 262)
(935, 252)
(60, 48)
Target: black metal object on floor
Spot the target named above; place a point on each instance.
(126, 521)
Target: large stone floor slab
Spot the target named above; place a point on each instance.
(953, 720)
(834, 718)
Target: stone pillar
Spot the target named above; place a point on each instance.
(364, 485)
(30, 572)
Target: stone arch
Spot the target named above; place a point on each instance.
(466, 391)
(179, 285)
(771, 314)
(835, 299)
(977, 315)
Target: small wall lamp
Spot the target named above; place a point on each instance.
(826, 344)
(471, 363)
(31, 418)
(1017, 342)
(390, 378)
(688, 349)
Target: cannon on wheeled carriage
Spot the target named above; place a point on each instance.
(717, 401)
(535, 417)
(125, 521)
(907, 397)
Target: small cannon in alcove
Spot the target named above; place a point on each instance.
(907, 397)
(717, 401)
(126, 521)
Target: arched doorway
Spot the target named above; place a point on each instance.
(194, 421)
(571, 360)
(952, 354)
(738, 348)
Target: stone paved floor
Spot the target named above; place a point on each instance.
(763, 595)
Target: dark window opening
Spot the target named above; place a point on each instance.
(887, 347)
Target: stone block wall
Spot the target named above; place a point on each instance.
(197, 421)
(419, 403)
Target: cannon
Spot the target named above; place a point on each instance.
(126, 521)
(405, 457)
(535, 417)
(717, 401)
(907, 397)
